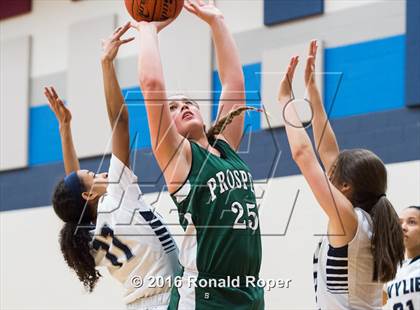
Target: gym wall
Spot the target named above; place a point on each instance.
(367, 74)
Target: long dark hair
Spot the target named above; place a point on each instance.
(366, 175)
(74, 236)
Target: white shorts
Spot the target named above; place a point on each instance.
(155, 302)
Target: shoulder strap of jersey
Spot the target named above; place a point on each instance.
(195, 152)
(415, 259)
(224, 146)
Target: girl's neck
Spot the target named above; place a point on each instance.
(93, 211)
(204, 143)
(411, 253)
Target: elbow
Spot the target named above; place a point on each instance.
(120, 118)
(236, 84)
(233, 80)
(301, 153)
(148, 82)
(123, 117)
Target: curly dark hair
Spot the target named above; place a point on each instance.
(74, 236)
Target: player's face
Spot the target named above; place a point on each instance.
(94, 182)
(410, 223)
(187, 117)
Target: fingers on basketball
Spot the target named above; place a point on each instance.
(191, 6)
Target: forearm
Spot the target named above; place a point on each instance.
(149, 61)
(227, 55)
(231, 76)
(151, 79)
(325, 140)
(117, 113)
(71, 162)
(165, 139)
(117, 110)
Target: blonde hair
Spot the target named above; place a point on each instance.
(222, 123)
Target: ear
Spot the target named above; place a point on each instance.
(346, 189)
(89, 196)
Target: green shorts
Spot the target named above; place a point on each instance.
(208, 296)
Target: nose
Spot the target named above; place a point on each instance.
(184, 106)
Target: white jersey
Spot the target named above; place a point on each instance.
(404, 291)
(343, 276)
(130, 239)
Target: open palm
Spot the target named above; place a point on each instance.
(62, 113)
(206, 10)
(111, 45)
(310, 64)
(285, 91)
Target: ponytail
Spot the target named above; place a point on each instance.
(387, 240)
(74, 243)
(366, 174)
(74, 237)
(221, 124)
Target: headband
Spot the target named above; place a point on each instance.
(72, 183)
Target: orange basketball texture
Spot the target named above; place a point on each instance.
(153, 10)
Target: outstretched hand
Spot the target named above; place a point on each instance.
(204, 9)
(62, 113)
(111, 45)
(285, 91)
(310, 64)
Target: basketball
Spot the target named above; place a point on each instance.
(153, 10)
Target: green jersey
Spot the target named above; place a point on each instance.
(218, 211)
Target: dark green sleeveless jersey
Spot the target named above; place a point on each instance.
(218, 210)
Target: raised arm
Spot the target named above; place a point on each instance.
(337, 207)
(171, 150)
(325, 140)
(63, 115)
(228, 65)
(117, 110)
